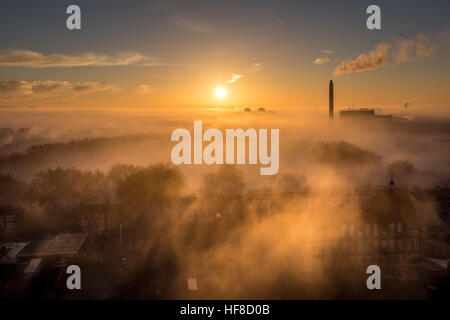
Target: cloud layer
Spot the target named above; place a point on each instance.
(26, 58)
(386, 54)
(234, 77)
(20, 89)
(321, 60)
(143, 89)
(193, 26)
(254, 67)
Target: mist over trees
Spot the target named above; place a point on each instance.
(73, 153)
(148, 192)
(172, 231)
(62, 188)
(289, 183)
(227, 181)
(340, 154)
(11, 189)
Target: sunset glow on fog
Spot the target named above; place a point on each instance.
(236, 149)
(221, 93)
(264, 55)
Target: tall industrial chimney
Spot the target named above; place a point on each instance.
(331, 106)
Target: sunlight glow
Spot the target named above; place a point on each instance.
(221, 93)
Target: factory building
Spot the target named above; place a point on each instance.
(352, 114)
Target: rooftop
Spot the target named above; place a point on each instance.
(9, 251)
(65, 244)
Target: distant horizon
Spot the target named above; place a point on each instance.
(170, 54)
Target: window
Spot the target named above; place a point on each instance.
(391, 244)
(375, 229)
(347, 245)
(391, 259)
(352, 230)
(352, 260)
(391, 228)
(376, 244)
(344, 230)
(101, 225)
(408, 244)
(9, 228)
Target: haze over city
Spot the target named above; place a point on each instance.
(86, 118)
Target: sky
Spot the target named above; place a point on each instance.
(175, 54)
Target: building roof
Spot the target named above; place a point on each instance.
(377, 204)
(65, 244)
(33, 265)
(10, 251)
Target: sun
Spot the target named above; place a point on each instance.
(221, 93)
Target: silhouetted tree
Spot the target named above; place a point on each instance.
(289, 183)
(62, 188)
(227, 181)
(223, 191)
(119, 172)
(148, 193)
(11, 190)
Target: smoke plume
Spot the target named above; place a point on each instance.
(386, 54)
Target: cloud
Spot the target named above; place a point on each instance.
(8, 87)
(385, 54)
(234, 77)
(327, 51)
(47, 86)
(143, 89)
(321, 60)
(192, 25)
(89, 87)
(20, 89)
(254, 67)
(26, 58)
